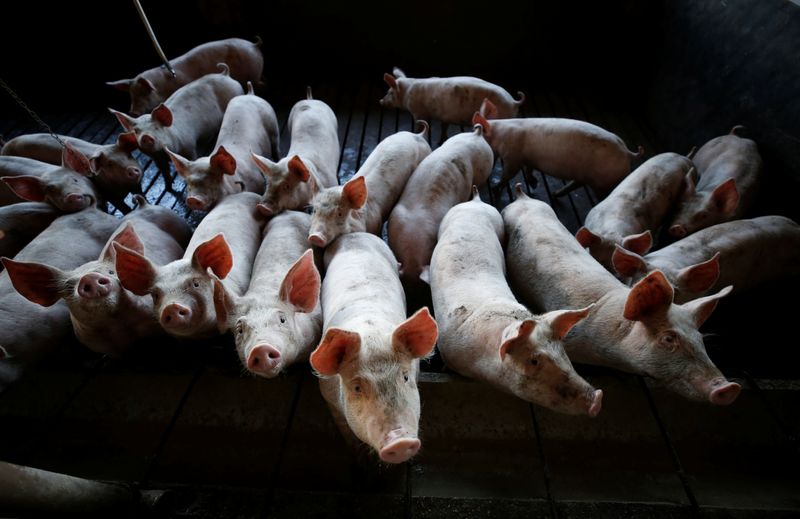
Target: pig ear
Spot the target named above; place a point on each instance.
(224, 304)
(27, 187)
(696, 279)
(391, 81)
(586, 237)
(125, 120)
(332, 350)
(726, 197)
(145, 84)
(300, 286)
(214, 254)
(477, 118)
(128, 238)
(36, 282)
(223, 161)
(297, 167)
(425, 274)
(488, 109)
(562, 321)
(355, 190)
(638, 243)
(135, 272)
(703, 307)
(121, 84)
(650, 296)
(264, 164)
(126, 141)
(417, 334)
(76, 161)
(627, 263)
(515, 333)
(162, 114)
(180, 163)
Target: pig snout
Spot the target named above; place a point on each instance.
(147, 143)
(724, 392)
(399, 446)
(264, 360)
(678, 231)
(196, 203)
(76, 202)
(176, 315)
(133, 174)
(93, 286)
(264, 210)
(317, 239)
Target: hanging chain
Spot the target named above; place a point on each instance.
(31, 112)
(153, 37)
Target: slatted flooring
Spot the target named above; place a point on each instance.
(184, 416)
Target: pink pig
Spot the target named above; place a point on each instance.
(638, 330)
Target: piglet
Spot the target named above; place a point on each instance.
(226, 241)
(635, 208)
(153, 86)
(451, 100)
(22, 222)
(186, 122)
(443, 179)
(30, 331)
(278, 321)
(249, 126)
(730, 170)
(116, 172)
(742, 253)
(368, 358)
(485, 333)
(565, 148)
(66, 187)
(639, 330)
(363, 203)
(107, 318)
(311, 162)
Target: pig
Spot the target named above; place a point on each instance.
(311, 162)
(363, 203)
(278, 321)
(249, 126)
(22, 222)
(638, 330)
(117, 173)
(105, 317)
(368, 358)
(66, 187)
(31, 332)
(742, 253)
(635, 208)
(484, 333)
(151, 87)
(730, 170)
(564, 148)
(451, 100)
(226, 241)
(186, 122)
(443, 179)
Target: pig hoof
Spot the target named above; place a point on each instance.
(400, 450)
(725, 394)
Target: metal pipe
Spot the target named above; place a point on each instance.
(153, 37)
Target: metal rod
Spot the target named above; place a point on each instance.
(153, 37)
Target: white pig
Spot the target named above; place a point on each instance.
(311, 162)
(730, 170)
(363, 203)
(565, 148)
(226, 241)
(742, 253)
(638, 330)
(66, 187)
(107, 318)
(186, 122)
(369, 354)
(279, 320)
(451, 100)
(484, 333)
(249, 126)
(443, 179)
(116, 172)
(151, 87)
(635, 208)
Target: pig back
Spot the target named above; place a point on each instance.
(314, 132)
(21, 222)
(37, 146)
(163, 233)
(284, 241)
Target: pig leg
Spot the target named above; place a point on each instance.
(443, 136)
(163, 165)
(532, 181)
(568, 188)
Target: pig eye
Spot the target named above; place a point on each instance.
(239, 328)
(533, 362)
(196, 283)
(282, 318)
(111, 272)
(405, 376)
(74, 180)
(669, 341)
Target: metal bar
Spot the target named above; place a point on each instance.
(153, 37)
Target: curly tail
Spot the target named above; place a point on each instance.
(226, 70)
(691, 153)
(258, 41)
(308, 93)
(639, 153)
(140, 201)
(250, 90)
(521, 98)
(736, 129)
(425, 127)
